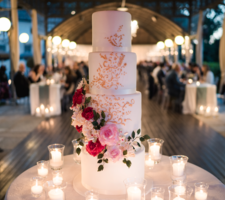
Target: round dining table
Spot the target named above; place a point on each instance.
(20, 189)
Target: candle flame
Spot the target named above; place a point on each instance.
(208, 109)
(216, 109)
(201, 108)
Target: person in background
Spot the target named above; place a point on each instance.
(196, 69)
(161, 76)
(69, 78)
(21, 82)
(36, 75)
(155, 72)
(151, 86)
(208, 76)
(174, 85)
(77, 73)
(49, 71)
(4, 87)
(84, 68)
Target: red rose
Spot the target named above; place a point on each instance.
(79, 128)
(77, 97)
(88, 113)
(94, 148)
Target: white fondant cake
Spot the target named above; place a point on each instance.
(112, 88)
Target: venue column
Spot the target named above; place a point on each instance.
(36, 41)
(199, 48)
(49, 51)
(14, 37)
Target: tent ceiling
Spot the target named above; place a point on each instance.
(76, 26)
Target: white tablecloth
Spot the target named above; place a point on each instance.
(20, 188)
(54, 98)
(190, 100)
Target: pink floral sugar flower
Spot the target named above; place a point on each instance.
(114, 153)
(109, 135)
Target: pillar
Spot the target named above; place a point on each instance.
(49, 52)
(36, 41)
(199, 47)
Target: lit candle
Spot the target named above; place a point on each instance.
(133, 193)
(52, 81)
(208, 111)
(200, 195)
(155, 152)
(43, 171)
(190, 81)
(42, 109)
(178, 198)
(51, 109)
(180, 190)
(201, 109)
(56, 160)
(178, 169)
(216, 109)
(198, 83)
(48, 82)
(149, 162)
(156, 198)
(46, 112)
(56, 194)
(36, 189)
(38, 112)
(57, 180)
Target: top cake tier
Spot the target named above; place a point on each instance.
(111, 31)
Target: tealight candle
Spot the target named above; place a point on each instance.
(48, 82)
(133, 193)
(42, 109)
(201, 109)
(52, 81)
(46, 112)
(90, 195)
(155, 151)
(198, 83)
(36, 190)
(38, 112)
(56, 158)
(57, 180)
(56, 194)
(178, 169)
(43, 171)
(190, 81)
(156, 198)
(200, 195)
(216, 110)
(149, 162)
(208, 109)
(178, 198)
(51, 109)
(180, 190)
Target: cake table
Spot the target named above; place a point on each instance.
(20, 188)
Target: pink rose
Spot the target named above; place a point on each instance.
(114, 153)
(94, 148)
(109, 135)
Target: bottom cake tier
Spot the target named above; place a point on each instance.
(110, 181)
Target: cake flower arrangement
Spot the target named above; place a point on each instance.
(101, 139)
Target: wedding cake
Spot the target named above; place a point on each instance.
(107, 108)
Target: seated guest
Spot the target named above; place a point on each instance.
(21, 82)
(196, 69)
(77, 72)
(49, 71)
(4, 88)
(69, 78)
(208, 76)
(173, 83)
(161, 76)
(84, 68)
(36, 75)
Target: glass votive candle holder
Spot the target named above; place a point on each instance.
(91, 195)
(36, 186)
(201, 110)
(201, 191)
(178, 165)
(55, 193)
(157, 193)
(181, 194)
(135, 188)
(76, 156)
(56, 152)
(57, 177)
(149, 163)
(42, 168)
(155, 149)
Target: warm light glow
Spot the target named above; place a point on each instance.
(24, 37)
(5, 24)
(176, 53)
(37, 110)
(190, 81)
(52, 81)
(9, 81)
(48, 49)
(46, 110)
(73, 12)
(186, 37)
(134, 28)
(168, 43)
(154, 18)
(179, 40)
(183, 51)
(49, 37)
(56, 40)
(124, 9)
(65, 43)
(42, 106)
(160, 45)
(72, 45)
(216, 109)
(51, 109)
(191, 51)
(198, 83)
(201, 108)
(208, 109)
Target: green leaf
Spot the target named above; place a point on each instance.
(146, 137)
(129, 138)
(125, 161)
(125, 152)
(102, 123)
(106, 160)
(95, 123)
(105, 150)
(94, 112)
(138, 144)
(82, 134)
(103, 114)
(142, 139)
(99, 161)
(128, 163)
(78, 150)
(81, 143)
(98, 116)
(78, 139)
(133, 134)
(87, 100)
(138, 131)
(100, 156)
(100, 168)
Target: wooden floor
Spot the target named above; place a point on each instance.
(183, 134)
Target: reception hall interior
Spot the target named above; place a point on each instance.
(112, 100)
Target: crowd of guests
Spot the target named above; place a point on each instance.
(67, 76)
(172, 78)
